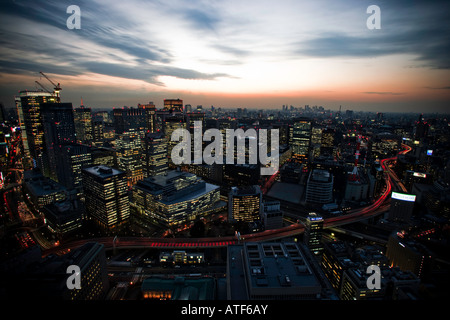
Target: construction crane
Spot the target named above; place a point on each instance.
(45, 89)
(57, 87)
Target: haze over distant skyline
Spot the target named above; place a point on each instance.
(249, 54)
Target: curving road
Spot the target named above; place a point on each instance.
(378, 207)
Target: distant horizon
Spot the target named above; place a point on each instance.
(160, 105)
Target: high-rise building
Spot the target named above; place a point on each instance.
(28, 105)
(154, 158)
(409, 255)
(129, 152)
(173, 199)
(130, 118)
(313, 233)
(170, 125)
(64, 217)
(327, 142)
(150, 116)
(59, 130)
(402, 206)
(46, 278)
(42, 190)
(301, 139)
(83, 124)
(319, 187)
(97, 130)
(106, 195)
(173, 105)
(272, 216)
(73, 158)
(244, 203)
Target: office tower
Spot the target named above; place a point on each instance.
(409, 255)
(191, 118)
(244, 203)
(42, 190)
(402, 206)
(273, 271)
(154, 158)
(64, 217)
(130, 118)
(173, 199)
(319, 187)
(97, 130)
(150, 116)
(421, 128)
(272, 216)
(313, 233)
(170, 125)
(46, 278)
(106, 195)
(335, 260)
(73, 158)
(327, 142)
(129, 153)
(173, 105)
(83, 124)
(28, 105)
(94, 278)
(104, 156)
(59, 130)
(301, 139)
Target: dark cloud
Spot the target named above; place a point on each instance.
(200, 19)
(101, 27)
(148, 73)
(420, 29)
(438, 88)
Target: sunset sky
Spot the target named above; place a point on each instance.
(231, 53)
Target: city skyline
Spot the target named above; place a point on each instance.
(231, 55)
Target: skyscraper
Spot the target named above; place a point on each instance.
(73, 158)
(97, 130)
(154, 158)
(170, 125)
(129, 118)
(301, 139)
(59, 130)
(106, 195)
(28, 105)
(150, 116)
(327, 143)
(83, 124)
(245, 203)
(129, 155)
(313, 233)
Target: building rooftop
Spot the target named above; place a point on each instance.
(103, 171)
(40, 185)
(321, 176)
(270, 270)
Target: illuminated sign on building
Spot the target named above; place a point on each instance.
(419, 174)
(403, 196)
(429, 152)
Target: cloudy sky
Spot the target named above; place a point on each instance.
(231, 53)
